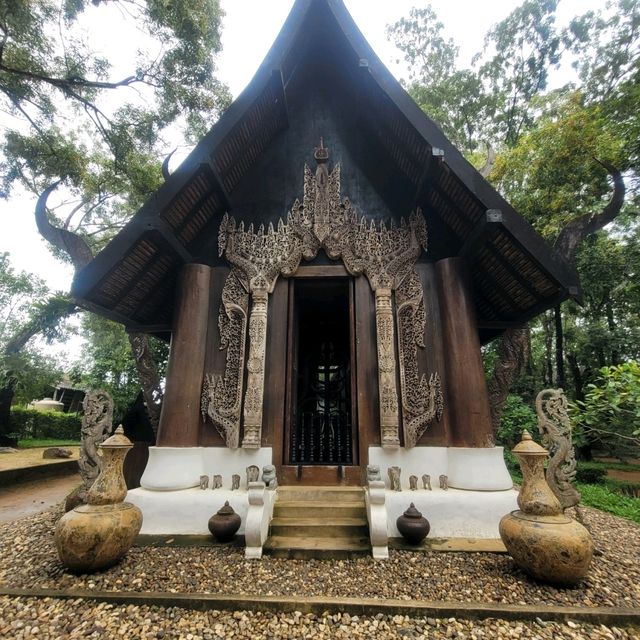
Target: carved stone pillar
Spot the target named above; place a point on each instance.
(465, 384)
(253, 399)
(385, 335)
(180, 416)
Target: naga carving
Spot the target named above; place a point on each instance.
(555, 427)
(386, 255)
(97, 422)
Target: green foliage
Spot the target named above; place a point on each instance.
(516, 417)
(79, 119)
(108, 362)
(591, 475)
(603, 498)
(47, 442)
(39, 425)
(611, 409)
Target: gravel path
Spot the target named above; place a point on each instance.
(22, 618)
(30, 561)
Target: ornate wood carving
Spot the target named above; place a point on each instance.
(555, 428)
(386, 255)
(222, 395)
(421, 398)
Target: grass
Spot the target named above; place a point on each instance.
(32, 444)
(603, 498)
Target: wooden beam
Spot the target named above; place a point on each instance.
(436, 158)
(166, 235)
(485, 228)
(498, 325)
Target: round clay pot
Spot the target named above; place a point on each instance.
(92, 537)
(96, 535)
(413, 526)
(555, 549)
(224, 524)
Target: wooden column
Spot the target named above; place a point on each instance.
(465, 386)
(180, 417)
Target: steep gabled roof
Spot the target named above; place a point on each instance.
(516, 275)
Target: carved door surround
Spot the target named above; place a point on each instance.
(385, 255)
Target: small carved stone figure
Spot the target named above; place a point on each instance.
(426, 481)
(204, 482)
(373, 473)
(413, 483)
(555, 427)
(394, 479)
(444, 482)
(253, 474)
(235, 482)
(217, 482)
(269, 476)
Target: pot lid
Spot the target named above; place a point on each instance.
(226, 510)
(528, 447)
(412, 512)
(117, 440)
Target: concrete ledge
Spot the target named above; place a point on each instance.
(611, 616)
(51, 470)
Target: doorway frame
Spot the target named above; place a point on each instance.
(320, 474)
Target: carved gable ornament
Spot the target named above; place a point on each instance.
(385, 255)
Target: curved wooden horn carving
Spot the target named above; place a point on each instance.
(165, 166)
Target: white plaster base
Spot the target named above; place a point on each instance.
(175, 468)
(453, 513)
(185, 512)
(478, 469)
(465, 468)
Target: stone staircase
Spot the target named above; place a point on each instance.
(319, 522)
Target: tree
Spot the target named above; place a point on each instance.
(611, 408)
(95, 130)
(20, 320)
(567, 159)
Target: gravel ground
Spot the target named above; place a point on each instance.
(29, 560)
(22, 618)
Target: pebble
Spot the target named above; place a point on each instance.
(30, 561)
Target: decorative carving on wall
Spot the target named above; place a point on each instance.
(222, 395)
(422, 400)
(555, 427)
(386, 255)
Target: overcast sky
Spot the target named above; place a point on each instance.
(249, 29)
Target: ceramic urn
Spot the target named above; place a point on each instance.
(412, 525)
(544, 542)
(98, 534)
(224, 524)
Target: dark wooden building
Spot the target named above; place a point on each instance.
(327, 266)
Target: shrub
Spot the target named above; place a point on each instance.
(601, 497)
(590, 475)
(517, 416)
(41, 425)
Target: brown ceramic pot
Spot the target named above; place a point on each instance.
(555, 549)
(96, 535)
(543, 541)
(413, 526)
(224, 524)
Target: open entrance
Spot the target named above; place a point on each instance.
(321, 424)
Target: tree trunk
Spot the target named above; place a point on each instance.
(511, 358)
(6, 396)
(560, 378)
(547, 376)
(576, 374)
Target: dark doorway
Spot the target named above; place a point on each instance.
(321, 430)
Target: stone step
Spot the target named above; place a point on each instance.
(320, 494)
(320, 548)
(304, 509)
(314, 527)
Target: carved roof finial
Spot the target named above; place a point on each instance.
(321, 153)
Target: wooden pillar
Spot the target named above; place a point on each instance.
(180, 417)
(465, 386)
